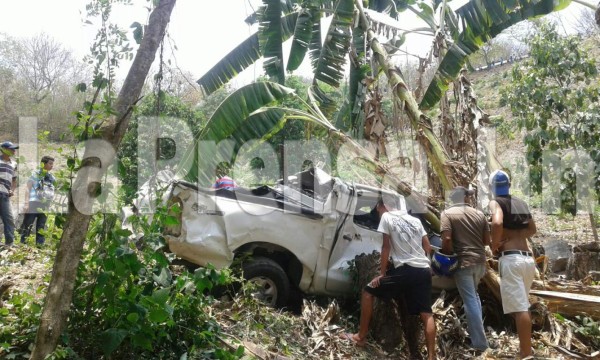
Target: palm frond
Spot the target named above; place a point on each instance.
(269, 38)
(392, 8)
(230, 117)
(326, 105)
(329, 67)
(315, 44)
(302, 38)
(358, 71)
(238, 59)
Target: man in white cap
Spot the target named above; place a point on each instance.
(512, 224)
(8, 184)
(466, 232)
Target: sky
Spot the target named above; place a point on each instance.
(202, 31)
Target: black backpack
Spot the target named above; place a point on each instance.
(516, 212)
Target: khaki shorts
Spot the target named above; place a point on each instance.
(517, 273)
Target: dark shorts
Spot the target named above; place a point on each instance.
(411, 283)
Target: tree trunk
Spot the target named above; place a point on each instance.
(390, 317)
(448, 174)
(570, 305)
(585, 258)
(492, 281)
(60, 291)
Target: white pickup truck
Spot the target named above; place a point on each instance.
(302, 234)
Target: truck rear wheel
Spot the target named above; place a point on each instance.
(272, 283)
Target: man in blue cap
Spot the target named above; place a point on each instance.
(512, 224)
(8, 184)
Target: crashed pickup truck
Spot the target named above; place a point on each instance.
(302, 233)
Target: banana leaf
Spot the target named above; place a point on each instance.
(240, 58)
(269, 36)
(329, 67)
(231, 119)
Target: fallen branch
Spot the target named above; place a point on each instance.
(570, 305)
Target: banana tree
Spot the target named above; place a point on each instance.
(251, 112)
(464, 31)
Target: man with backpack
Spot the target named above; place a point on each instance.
(39, 194)
(512, 224)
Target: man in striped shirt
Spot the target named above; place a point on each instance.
(8, 184)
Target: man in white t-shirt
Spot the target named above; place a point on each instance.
(406, 243)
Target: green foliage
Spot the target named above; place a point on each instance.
(128, 300)
(554, 96)
(590, 329)
(503, 127)
(164, 106)
(19, 318)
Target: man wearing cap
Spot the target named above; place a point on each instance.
(8, 184)
(406, 242)
(512, 224)
(466, 232)
(39, 195)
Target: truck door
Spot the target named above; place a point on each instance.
(353, 239)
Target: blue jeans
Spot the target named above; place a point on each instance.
(7, 219)
(39, 217)
(467, 280)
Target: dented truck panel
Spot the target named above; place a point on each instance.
(249, 223)
(323, 225)
(202, 239)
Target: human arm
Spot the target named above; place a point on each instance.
(385, 256)
(486, 237)
(426, 244)
(446, 227)
(26, 202)
(447, 247)
(497, 222)
(13, 186)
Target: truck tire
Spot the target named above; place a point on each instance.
(273, 285)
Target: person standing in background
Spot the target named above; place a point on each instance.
(8, 184)
(39, 194)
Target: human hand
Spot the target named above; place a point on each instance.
(10, 193)
(375, 282)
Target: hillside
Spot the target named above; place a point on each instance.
(511, 152)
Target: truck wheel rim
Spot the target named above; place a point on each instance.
(266, 290)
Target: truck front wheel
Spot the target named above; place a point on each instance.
(271, 281)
